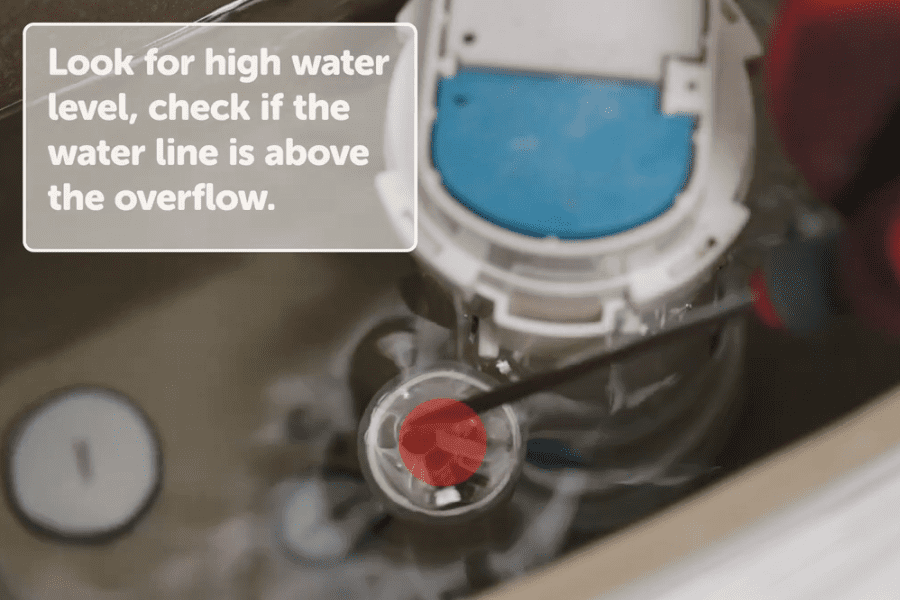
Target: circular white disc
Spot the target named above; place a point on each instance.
(85, 463)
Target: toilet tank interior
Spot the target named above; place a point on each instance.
(200, 340)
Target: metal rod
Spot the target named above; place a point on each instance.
(696, 320)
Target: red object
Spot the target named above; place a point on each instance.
(869, 279)
(762, 304)
(833, 75)
(442, 442)
(833, 79)
(892, 242)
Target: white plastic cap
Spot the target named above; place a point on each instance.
(548, 294)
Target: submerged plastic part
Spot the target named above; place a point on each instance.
(477, 465)
(565, 157)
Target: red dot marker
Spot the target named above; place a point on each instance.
(442, 442)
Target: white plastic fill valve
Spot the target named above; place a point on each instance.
(580, 165)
